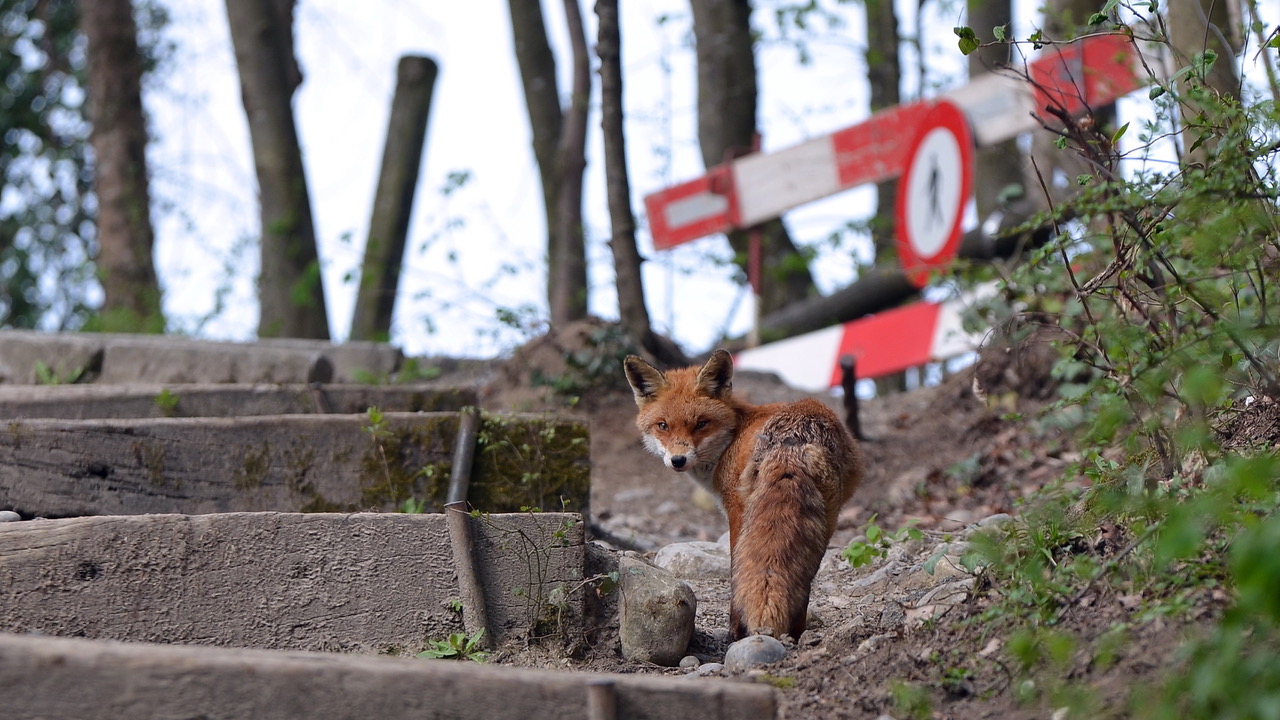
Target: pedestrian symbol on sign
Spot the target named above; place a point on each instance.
(933, 193)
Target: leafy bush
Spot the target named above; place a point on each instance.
(1162, 275)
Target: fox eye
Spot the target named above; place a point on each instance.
(662, 425)
(700, 424)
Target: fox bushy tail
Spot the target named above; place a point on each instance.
(783, 536)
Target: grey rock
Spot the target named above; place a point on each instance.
(995, 520)
(754, 650)
(657, 614)
(689, 662)
(9, 516)
(697, 559)
(705, 670)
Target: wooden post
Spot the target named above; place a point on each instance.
(393, 201)
(475, 616)
(602, 699)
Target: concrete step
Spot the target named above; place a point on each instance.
(80, 402)
(29, 357)
(286, 463)
(360, 583)
(91, 680)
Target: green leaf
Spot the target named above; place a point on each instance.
(999, 33)
(1115, 137)
(1097, 18)
(968, 39)
(1204, 62)
(873, 534)
(932, 562)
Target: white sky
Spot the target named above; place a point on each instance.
(480, 247)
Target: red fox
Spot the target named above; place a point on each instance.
(782, 472)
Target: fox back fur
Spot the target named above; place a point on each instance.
(782, 472)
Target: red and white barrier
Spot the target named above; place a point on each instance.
(887, 342)
(746, 191)
(739, 194)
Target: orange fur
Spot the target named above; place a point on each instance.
(782, 472)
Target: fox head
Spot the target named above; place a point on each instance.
(687, 416)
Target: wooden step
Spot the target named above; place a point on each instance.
(367, 583)
(92, 680)
(36, 357)
(79, 402)
(286, 463)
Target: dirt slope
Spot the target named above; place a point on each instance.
(939, 458)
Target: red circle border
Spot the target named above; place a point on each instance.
(948, 116)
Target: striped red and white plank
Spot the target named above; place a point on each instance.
(744, 192)
(887, 342)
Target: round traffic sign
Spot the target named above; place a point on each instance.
(933, 191)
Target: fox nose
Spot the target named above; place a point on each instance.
(678, 461)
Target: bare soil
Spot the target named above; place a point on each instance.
(940, 458)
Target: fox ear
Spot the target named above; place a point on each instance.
(645, 379)
(715, 379)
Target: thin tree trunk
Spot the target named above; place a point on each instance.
(559, 141)
(1196, 27)
(727, 127)
(884, 76)
(999, 166)
(119, 139)
(567, 276)
(632, 311)
(290, 290)
(393, 200)
(1054, 168)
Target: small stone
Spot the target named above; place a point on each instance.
(706, 669)
(689, 662)
(754, 650)
(9, 516)
(995, 520)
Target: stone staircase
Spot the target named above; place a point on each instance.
(210, 530)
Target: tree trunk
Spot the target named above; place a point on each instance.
(393, 200)
(120, 181)
(1053, 168)
(559, 142)
(632, 311)
(1196, 27)
(999, 166)
(727, 127)
(567, 273)
(884, 75)
(290, 290)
